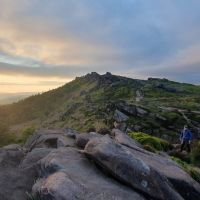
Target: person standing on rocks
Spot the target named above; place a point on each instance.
(186, 138)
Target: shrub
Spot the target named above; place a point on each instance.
(195, 154)
(26, 134)
(104, 131)
(195, 174)
(7, 138)
(91, 129)
(154, 142)
(181, 163)
(3, 127)
(181, 156)
(149, 148)
(171, 117)
(33, 197)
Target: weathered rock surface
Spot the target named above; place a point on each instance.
(12, 178)
(139, 96)
(13, 147)
(68, 175)
(50, 139)
(119, 116)
(183, 183)
(141, 112)
(71, 133)
(83, 139)
(125, 140)
(128, 109)
(164, 166)
(51, 166)
(119, 162)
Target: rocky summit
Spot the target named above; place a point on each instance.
(68, 165)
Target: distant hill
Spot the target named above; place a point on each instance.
(157, 106)
(8, 98)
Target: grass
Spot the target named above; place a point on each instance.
(194, 173)
(33, 197)
(27, 132)
(149, 148)
(7, 137)
(170, 116)
(151, 143)
(195, 154)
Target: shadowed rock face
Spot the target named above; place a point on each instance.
(119, 116)
(50, 139)
(51, 166)
(83, 139)
(14, 181)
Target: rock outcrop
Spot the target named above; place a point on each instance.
(119, 116)
(66, 165)
(66, 174)
(121, 164)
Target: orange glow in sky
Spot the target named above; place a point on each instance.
(19, 84)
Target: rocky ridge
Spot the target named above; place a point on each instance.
(66, 165)
(158, 107)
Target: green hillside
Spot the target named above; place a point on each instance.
(156, 106)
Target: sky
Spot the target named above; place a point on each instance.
(46, 43)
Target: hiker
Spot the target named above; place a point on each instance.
(186, 138)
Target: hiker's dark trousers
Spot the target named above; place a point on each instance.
(187, 144)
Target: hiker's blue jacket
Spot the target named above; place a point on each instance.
(186, 135)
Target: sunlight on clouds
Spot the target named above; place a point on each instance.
(50, 49)
(189, 56)
(46, 50)
(71, 38)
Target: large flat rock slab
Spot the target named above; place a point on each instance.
(117, 160)
(180, 180)
(18, 171)
(66, 174)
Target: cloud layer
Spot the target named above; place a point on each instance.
(67, 38)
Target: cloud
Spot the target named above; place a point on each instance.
(50, 49)
(69, 38)
(9, 69)
(49, 71)
(42, 36)
(183, 66)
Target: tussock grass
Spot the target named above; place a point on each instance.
(151, 143)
